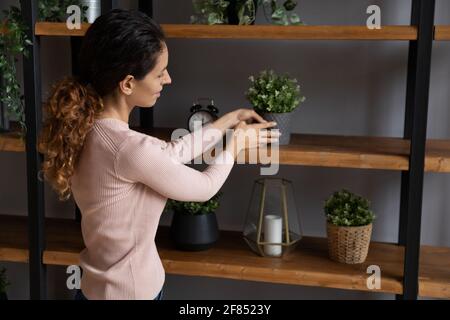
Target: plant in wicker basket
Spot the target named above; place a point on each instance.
(349, 227)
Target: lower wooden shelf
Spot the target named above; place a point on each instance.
(307, 265)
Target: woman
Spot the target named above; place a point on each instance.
(119, 178)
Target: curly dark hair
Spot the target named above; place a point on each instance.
(117, 44)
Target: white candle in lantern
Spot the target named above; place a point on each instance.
(272, 234)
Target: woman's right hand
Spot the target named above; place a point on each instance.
(254, 135)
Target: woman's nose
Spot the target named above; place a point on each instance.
(168, 79)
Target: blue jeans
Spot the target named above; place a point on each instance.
(80, 296)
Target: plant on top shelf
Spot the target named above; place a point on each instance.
(281, 14)
(211, 12)
(3, 284)
(243, 12)
(275, 97)
(349, 226)
(13, 43)
(56, 10)
(194, 225)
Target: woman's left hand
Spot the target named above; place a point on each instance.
(246, 115)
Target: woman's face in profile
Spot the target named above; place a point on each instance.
(148, 90)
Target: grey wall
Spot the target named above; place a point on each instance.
(354, 88)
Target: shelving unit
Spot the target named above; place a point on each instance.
(50, 241)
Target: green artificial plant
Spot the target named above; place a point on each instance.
(217, 11)
(56, 10)
(281, 14)
(274, 93)
(194, 208)
(220, 11)
(210, 12)
(344, 208)
(13, 43)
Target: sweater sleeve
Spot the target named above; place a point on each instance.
(145, 159)
(192, 145)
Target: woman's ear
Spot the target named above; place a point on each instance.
(126, 86)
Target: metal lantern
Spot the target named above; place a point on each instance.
(272, 227)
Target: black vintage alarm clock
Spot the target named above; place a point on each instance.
(200, 115)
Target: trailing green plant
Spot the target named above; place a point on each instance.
(13, 42)
(344, 208)
(281, 14)
(218, 11)
(3, 281)
(56, 10)
(246, 11)
(194, 208)
(274, 93)
(210, 12)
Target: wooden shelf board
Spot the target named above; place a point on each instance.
(231, 258)
(59, 29)
(442, 33)
(344, 151)
(191, 31)
(290, 32)
(11, 141)
(13, 239)
(320, 150)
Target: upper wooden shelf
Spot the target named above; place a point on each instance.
(256, 32)
(231, 258)
(442, 33)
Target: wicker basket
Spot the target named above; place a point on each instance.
(348, 244)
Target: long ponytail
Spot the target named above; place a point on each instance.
(70, 113)
(117, 44)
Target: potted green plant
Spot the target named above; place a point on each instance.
(281, 14)
(3, 284)
(211, 12)
(194, 225)
(243, 12)
(349, 227)
(275, 97)
(13, 43)
(56, 10)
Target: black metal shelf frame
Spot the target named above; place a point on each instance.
(418, 82)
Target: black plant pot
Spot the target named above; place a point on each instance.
(3, 296)
(194, 232)
(232, 12)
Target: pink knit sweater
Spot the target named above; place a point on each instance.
(121, 185)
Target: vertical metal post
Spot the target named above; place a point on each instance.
(146, 114)
(418, 82)
(35, 187)
(75, 46)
